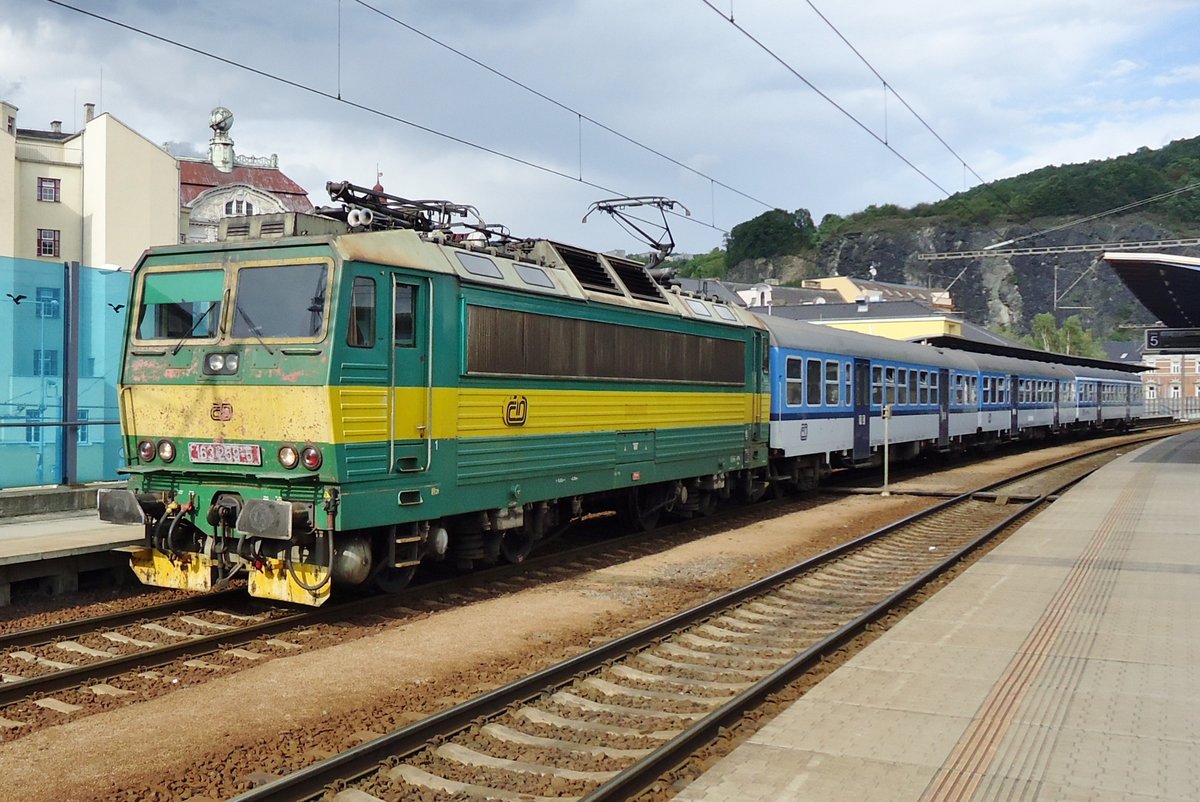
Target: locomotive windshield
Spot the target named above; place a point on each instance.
(280, 301)
(180, 305)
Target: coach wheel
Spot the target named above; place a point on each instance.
(391, 579)
(515, 546)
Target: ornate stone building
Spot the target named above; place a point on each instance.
(228, 185)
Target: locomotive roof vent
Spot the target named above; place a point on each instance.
(588, 269)
(280, 224)
(635, 278)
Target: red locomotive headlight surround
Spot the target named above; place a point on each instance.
(289, 457)
(147, 450)
(310, 456)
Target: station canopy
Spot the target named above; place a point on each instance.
(1167, 285)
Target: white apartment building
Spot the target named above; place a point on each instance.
(100, 195)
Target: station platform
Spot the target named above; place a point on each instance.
(1064, 665)
(48, 552)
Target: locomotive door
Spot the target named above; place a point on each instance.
(943, 402)
(1013, 420)
(411, 410)
(862, 410)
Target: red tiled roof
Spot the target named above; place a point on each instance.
(196, 177)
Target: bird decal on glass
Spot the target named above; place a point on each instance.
(116, 307)
(16, 299)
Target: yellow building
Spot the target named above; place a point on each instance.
(100, 195)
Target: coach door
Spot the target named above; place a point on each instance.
(1057, 401)
(862, 410)
(1013, 420)
(411, 368)
(943, 408)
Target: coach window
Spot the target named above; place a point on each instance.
(795, 383)
(877, 385)
(833, 383)
(890, 383)
(987, 390)
(960, 389)
(902, 387)
(405, 332)
(913, 398)
(812, 382)
(847, 377)
(361, 331)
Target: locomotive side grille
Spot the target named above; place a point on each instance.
(637, 281)
(588, 269)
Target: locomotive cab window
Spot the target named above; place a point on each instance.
(361, 331)
(180, 305)
(280, 302)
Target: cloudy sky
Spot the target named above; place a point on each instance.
(548, 106)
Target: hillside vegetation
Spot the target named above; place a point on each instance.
(1002, 292)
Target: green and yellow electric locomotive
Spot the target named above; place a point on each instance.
(318, 406)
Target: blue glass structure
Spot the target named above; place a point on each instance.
(44, 378)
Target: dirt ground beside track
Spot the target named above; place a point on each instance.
(369, 685)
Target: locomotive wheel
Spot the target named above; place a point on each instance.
(642, 508)
(515, 546)
(393, 580)
(707, 503)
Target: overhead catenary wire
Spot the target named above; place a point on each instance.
(360, 106)
(565, 107)
(846, 112)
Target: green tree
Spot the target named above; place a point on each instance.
(1071, 338)
(773, 233)
(705, 265)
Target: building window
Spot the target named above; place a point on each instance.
(1176, 391)
(48, 190)
(84, 435)
(12, 125)
(47, 302)
(48, 242)
(33, 434)
(238, 207)
(45, 362)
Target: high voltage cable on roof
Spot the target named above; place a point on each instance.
(386, 115)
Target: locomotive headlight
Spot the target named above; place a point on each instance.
(146, 450)
(221, 363)
(311, 457)
(288, 457)
(166, 450)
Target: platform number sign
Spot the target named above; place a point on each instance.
(1173, 341)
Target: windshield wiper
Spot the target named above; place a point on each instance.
(254, 329)
(195, 326)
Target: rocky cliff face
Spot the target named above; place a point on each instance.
(1008, 289)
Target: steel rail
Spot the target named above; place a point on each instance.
(69, 629)
(310, 781)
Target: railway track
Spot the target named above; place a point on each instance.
(607, 724)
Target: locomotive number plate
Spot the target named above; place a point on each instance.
(225, 453)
